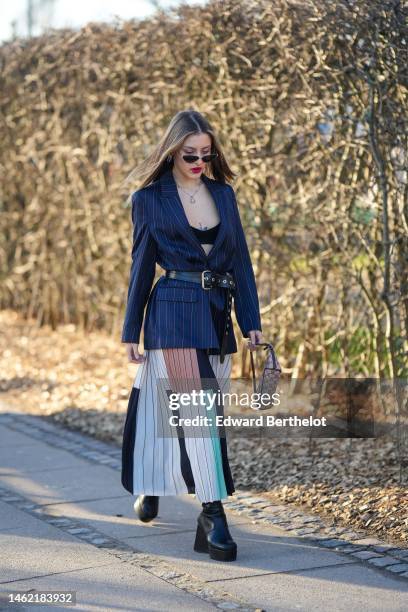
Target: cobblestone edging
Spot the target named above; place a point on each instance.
(370, 551)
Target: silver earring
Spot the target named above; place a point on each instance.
(169, 158)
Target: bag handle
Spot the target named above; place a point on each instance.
(253, 372)
(265, 346)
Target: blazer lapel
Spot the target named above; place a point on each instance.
(170, 195)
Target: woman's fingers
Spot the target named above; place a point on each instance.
(133, 353)
(255, 337)
(259, 337)
(138, 357)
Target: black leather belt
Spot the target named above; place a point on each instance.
(208, 280)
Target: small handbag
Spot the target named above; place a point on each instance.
(270, 376)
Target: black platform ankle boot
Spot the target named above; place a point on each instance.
(146, 507)
(213, 535)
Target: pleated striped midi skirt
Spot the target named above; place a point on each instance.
(156, 462)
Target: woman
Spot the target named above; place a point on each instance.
(189, 224)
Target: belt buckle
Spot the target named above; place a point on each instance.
(203, 279)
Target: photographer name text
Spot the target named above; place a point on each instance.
(268, 420)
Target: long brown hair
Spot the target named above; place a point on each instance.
(183, 124)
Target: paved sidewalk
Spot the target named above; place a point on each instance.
(66, 523)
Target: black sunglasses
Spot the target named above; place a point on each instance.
(190, 159)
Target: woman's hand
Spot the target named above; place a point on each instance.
(255, 337)
(133, 354)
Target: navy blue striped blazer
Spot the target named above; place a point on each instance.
(181, 313)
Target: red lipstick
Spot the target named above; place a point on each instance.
(196, 170)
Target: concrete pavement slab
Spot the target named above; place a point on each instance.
(66, 484)
(113, 586)
(40, 549)
(11, 439)
(343, 588)
(35, 457)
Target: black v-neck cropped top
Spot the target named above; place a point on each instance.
(207, 236)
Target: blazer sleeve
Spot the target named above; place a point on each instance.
(142, 271)
(246, 300)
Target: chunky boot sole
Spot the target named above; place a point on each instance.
(201, 545)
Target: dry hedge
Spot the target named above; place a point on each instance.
(310, 99)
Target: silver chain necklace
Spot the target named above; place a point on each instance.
(192, 198)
